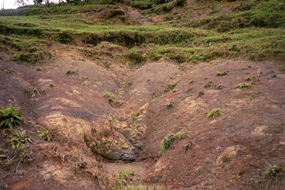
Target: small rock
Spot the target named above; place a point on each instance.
(207, 160)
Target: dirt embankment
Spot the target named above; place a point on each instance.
(234, 148)
(102, 115)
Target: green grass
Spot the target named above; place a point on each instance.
(180, 43)
(47, 135)
(214, 112)
(77, 24)
(190, 81)
(153, 97)
(19, 138)
(169, 104)
(264, 13)
(167, 142)
(125, 174)
(170, 138)
(108, 94)
(135, 56)
(223, 73)
(128, 180)
(243, 85)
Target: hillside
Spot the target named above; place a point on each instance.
(122, 94)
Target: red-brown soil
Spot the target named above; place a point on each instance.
(109, 116)
(231, 151)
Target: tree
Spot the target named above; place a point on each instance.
(47, 3)
(38, 2)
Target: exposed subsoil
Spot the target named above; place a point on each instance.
(229, 151)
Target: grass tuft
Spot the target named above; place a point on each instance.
(214, 112)
(170, 104)
(170, 138)
(223, 73)
(243, 85)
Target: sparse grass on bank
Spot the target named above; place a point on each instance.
(246, 14)
(215, 112)
(170, 138)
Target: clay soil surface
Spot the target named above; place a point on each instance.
(109, 123)
(236, 149)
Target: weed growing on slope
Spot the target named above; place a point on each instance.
(170, 104)
(112, 98)
(170, 138)
(133, 117)
(250, 78)
(125, 176)
(34, 92)
(167, 142)
(168, 87)
(19, 138)
(190, 81)
(273, 170)
(69, 72)
(243, 85)
(220, 87)
(223, 73)
(214, 112)
(154, 96)
(106, 94)
(47, 135)
(9, 117)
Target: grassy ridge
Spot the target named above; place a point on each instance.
(238, 33)
(57, 27)
(253, 13)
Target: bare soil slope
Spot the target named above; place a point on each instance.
(116, 115)
(233, 149)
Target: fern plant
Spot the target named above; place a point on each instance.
(9, 117)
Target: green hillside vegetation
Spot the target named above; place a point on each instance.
(253, 28)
